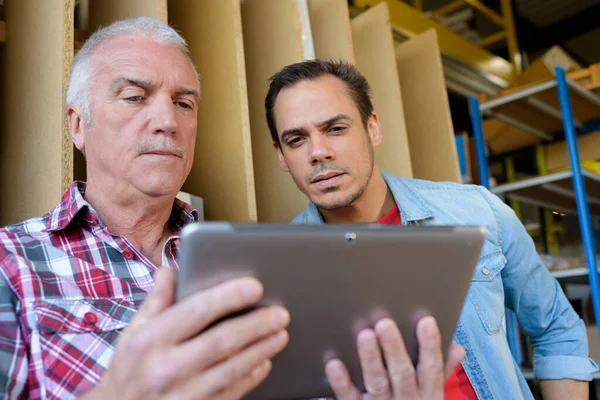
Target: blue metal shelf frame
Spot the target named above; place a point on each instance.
(583, 211)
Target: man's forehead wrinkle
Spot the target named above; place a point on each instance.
(117, 58)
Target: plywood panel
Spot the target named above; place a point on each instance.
(36, 151)
(104, 12)
(426, 109)
(330, 24)
(272, 40)
(308, 50)
(222, 173)
(375, 58)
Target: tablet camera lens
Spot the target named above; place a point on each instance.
(350, 237)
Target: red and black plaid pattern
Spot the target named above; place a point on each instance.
(67, 289)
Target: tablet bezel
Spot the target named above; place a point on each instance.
(213, 252)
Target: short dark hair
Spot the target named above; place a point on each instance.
(357, 86)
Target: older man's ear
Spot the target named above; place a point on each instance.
(75, 121)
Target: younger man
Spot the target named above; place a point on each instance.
(324, 130)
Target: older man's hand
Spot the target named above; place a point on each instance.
(399, 381)
(161, 355)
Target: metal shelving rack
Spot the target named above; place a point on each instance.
(563, 191)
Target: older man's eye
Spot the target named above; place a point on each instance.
(184, 105)
(134, 99)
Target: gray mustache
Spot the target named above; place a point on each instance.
(161, 146)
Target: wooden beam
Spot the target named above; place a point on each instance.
(330, 24)
(449, 8)
(272, 40)
(493, 38)
(427, 110)
(36, 151)
(105, 12)
(376, 60)
(222, 173)
(2, 32)
(80, 37)
(410, 22)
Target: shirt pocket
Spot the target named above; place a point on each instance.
(77, 340)
(487, 291)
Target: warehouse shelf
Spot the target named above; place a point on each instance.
(535, 103)
(554, 191)
(571, 275)
(565, 191)
(534, 110)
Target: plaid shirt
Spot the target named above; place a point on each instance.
(67, 289)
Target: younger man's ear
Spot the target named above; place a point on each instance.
(282, 164)
(374, 129)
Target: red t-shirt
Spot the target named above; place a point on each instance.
(457, 386)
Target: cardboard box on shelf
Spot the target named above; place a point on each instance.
(503, 137)
(557, 155)
(542, 69)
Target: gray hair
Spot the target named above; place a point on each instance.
(83, 71)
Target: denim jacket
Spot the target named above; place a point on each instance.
(509, 273)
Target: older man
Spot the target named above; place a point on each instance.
(75, 280)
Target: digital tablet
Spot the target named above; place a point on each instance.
(335, 280)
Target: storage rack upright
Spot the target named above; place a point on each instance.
(554, 190)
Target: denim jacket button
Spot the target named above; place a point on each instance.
(485, 271)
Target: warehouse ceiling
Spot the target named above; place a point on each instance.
(544, 13)
(572, 24)
(541, 24)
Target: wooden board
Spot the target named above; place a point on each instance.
(375, 59)
(104, 12)
(36, 151)
(330, 24)
(588, 77)
(502, 137)
(272, 40)
(222, 173)
(426, 109)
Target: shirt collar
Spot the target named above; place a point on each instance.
(73, 208)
